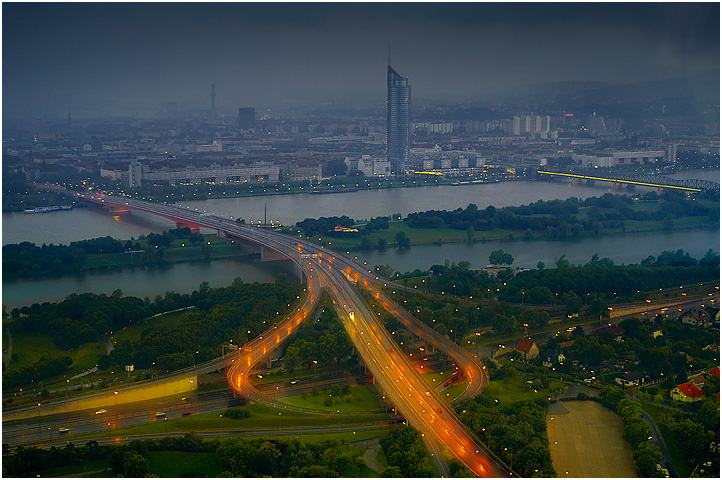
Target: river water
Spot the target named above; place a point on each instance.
(84, 223)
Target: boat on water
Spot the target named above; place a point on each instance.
(54, 208)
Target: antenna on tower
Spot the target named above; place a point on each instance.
(389, 54)
(213, 99)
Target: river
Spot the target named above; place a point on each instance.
(83, 223)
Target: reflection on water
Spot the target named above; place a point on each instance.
(622, 249)
(142, 281)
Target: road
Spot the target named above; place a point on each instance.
(43, 429)
(60, 442)
(402, 385)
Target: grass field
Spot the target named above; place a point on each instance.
(453, 392)
(587, 442)
(675, 452)
(347, 437)
(513, 389)
(262, 417)
(169, 464)
(31, 347)
(364, 399)
(134, 332)
(78, 469)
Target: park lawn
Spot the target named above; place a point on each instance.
(513, 389)
(453, 392)
(77, 469)
(262, 417)
(171, 464)
(348, 437)
(656, 225)
(276, 376)
(418, 236)
(364, 399)
(176, 253)
(133, 333)
(646, 206)
(381, 458)
(675, 452)
(31, 347)
(433, 379)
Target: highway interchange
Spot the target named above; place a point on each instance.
(402, 386)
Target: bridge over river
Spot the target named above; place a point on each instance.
(401, 384)
(658, 181)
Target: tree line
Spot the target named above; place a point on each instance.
(26, 259)
(240, 457)
(239, 312)
(323, 342)
(669, 269)
(563, 219)
(406, 454)
(516, 432)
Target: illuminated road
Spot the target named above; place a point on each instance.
(397, 378)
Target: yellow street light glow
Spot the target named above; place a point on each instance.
(620, 181)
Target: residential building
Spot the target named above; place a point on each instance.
(696, 316)
(528, 348)
(686, 392)
(616, 158)
(397, 121)
(615, 331)
(630, 379)
(301, 171)
(257, 172)
(552, 358)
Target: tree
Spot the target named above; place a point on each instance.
(381, 243)
(470, 235)
(647, 456)
(612, 396)
(500, 257)
(572, 301)
(365, 243)
(540, 265)
(562, 262)
(636, 431)
(336, 167)
(135, 465)
(402, 241)
(391, 471)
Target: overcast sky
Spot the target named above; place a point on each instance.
(135, 57)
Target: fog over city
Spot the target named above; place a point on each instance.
(96, 59)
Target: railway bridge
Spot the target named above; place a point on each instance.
(658, 181)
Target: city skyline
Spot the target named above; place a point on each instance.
(94, 59)
(398, 104)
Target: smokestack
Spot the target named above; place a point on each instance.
(213, 99)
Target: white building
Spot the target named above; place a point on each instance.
(257, 172)
(616, 158)
(216, 146)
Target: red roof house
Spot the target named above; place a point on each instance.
(528, 348)
(686, 392)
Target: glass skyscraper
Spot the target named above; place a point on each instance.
(397, 121)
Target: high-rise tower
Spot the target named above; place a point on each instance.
(397, 120)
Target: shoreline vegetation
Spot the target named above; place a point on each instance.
(24, 199)
(555, 220)
(27, 260)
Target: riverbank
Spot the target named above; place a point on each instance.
(327, 186)
(180, 251)
(441, 236)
